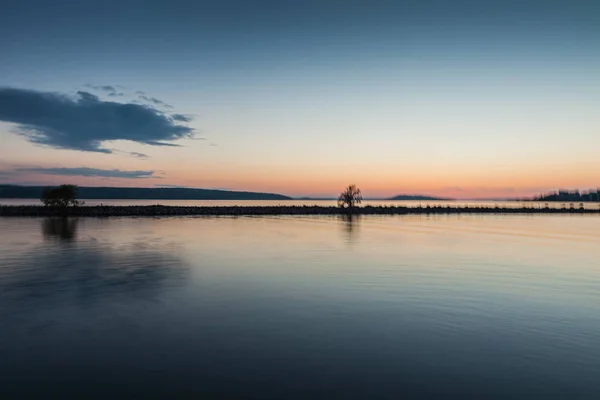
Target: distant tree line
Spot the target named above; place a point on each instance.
(571, 196)
(30, 192)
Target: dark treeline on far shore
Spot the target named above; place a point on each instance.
(124, 193)
(571, 196)
(152, 211)
(121, 193)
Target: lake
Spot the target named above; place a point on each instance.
(472, 306)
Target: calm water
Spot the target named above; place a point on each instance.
(286, 307)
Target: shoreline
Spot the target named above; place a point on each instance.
(158, 210)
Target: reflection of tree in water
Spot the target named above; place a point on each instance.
(89, 272)
(62, 228)
(350, 223)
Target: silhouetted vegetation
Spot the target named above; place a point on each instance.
(233, 211)
(350, 197)
(571, 196)
(35, 192)
(61, 197)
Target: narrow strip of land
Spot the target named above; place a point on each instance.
(153, 211)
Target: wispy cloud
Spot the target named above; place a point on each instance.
(138, 155)
(109, 90)
(95, 172)
(85, 122)
(130, 153)
(155, 101)
(105, 88)
(181, 118)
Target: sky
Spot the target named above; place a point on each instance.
(464, 99)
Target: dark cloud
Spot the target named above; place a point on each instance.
(86, 122)
(83, 171)
(181, 118)
(116, 94)
(155, 101)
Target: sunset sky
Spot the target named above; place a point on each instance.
(468, 99)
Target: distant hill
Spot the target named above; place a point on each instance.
(415, 197)
(34, 192)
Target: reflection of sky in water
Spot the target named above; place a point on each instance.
(302, 307)
(63, 270)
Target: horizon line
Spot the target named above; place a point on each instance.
(332, 197)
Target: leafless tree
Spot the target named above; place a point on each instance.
(350, 197)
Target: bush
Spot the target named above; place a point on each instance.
(62, 196)
(350, 197)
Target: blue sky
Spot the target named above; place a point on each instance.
(461, 98)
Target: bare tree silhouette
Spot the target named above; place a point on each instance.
(350, 197)
(62, 196)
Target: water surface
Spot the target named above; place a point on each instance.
(301, 307)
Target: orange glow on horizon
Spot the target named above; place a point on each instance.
(499, 181)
